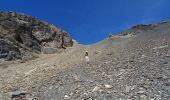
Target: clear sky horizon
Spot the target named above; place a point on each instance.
(90, 21)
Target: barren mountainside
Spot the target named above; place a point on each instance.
(22, 35)
(133, 65)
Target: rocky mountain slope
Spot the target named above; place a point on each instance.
(21, 36)
(134, 65)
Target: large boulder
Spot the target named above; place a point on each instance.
(21, 34)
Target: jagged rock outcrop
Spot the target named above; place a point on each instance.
(143, 27)
(21, 36)
(138, 29)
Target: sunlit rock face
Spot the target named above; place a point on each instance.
(22, 35)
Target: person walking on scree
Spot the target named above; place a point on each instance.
(87, 56)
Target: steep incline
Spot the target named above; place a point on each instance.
(134, 65)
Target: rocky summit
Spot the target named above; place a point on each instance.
(22, 36)
(133, 65)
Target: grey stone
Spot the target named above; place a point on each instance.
(22, 33)
(49, 50)
(96, 88)
(18, 93)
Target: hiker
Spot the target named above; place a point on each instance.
(87, 56)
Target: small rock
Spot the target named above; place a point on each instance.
(129, 88)
(143, 56)
(134, 98)
(164, 77)
(66, 96)
(140, 61)
(76, 77)
(120, 72)
(108, 86)
(158, 97)
(141, 92)
(96, 88)
(96, 52)
(103, 73)
(18, 94)
(143, 97)
(151, 99)
(167, 56)
(133, 87)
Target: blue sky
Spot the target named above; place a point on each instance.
(89, 21)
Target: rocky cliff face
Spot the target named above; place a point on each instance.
(21, 36)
